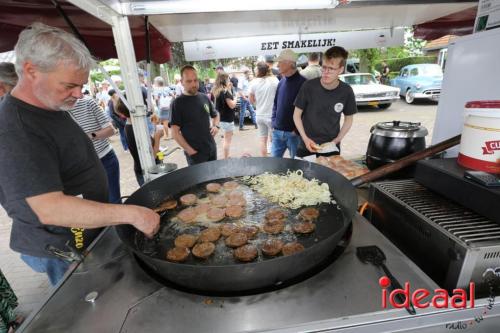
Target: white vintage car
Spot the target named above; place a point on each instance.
(369, 91)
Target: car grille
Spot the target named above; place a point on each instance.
(432, 92)
(377, 95)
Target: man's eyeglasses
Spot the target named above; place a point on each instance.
(327, 69)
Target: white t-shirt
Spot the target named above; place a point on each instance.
(264, 89)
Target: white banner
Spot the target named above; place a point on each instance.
(304, 43)
(488, 15)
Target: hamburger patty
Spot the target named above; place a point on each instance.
(178, 254)
(234, 211)
(292, 248)
(236, 239)
(228, 229)
(246, 253)
(185, 240)
(274, 226)
(167, 205)
(304, 227)
(231, 185)
(213, 187)
(272, 247)
(188, 199)
(187, 215)
(250, 230)
(215, 214)
(209, 235)
(203, 250)
(309, 213)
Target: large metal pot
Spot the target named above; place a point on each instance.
(390, 141)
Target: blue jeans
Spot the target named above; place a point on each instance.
(283, 140)
(123, 138)
(244, 104)
(112, 167)
(55, 268)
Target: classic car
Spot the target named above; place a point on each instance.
(368, 91)
(419, 81)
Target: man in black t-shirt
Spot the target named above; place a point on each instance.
(52, 183)
(191, 113)
(320, 104)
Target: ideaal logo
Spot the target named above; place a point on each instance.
(440, 299)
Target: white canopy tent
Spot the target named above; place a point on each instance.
(198, 20)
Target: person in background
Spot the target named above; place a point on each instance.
(234, 83)
(284, 136)
(219, 69)
(191, 114)
(117, 119)
(313, 69)
(8, 78)
(225, 104)
(262, 91)
(179, 89)
(208, 86)
(270, 63)
(384, 76)
(93, 121)
(320, 104)
(130, 136)
(244, 102)
(9, 321)
(58, 195)
(103, 95)
(163, 98)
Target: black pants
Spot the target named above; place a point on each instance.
(202, 156)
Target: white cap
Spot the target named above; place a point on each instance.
(287, 55)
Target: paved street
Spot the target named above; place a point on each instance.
(32, 288)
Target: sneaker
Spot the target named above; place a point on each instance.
(256, 127)
(242, 128)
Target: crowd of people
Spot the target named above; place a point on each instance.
(71, 190)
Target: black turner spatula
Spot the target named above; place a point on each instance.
(374, 255)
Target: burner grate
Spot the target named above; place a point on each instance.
(461, 222)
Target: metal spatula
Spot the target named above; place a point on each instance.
(374, 255)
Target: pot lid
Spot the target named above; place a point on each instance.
(399, 129)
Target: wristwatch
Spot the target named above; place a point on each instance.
(93, 135)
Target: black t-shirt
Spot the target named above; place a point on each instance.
(322, 109)
(234, 81)
(226, 113)
(41, 152)
(192, 114)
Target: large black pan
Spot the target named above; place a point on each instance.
(239, 277)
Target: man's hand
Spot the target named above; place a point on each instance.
(312, 146)
(191, 152)
(336, 140)
(214, 130)
(146, 221)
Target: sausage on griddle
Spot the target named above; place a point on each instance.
(250, 230)
(231, 185)
(213, 187)
(167, 205)
(227, 229)
(309, 213)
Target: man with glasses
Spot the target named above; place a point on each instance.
(284, 132)
(320, 104)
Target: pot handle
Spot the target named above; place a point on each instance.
(405, 161)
